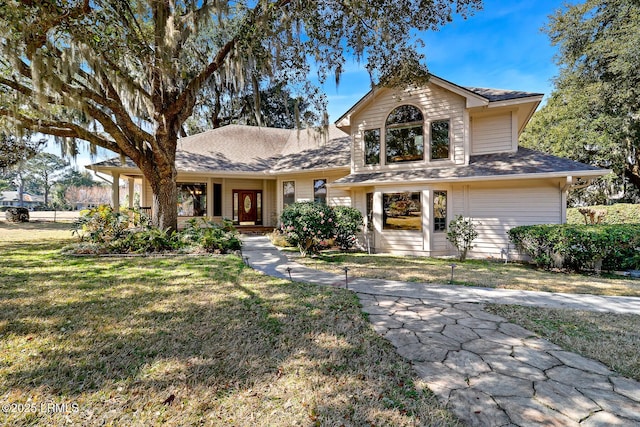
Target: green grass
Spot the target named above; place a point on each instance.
(482, 273)
(187, 340)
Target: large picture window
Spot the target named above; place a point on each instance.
(440, 140)
(288, 193)
(372, 146)
(192, 199)
(439, 211)
(402, 211)
(404, 135)
(320, 191)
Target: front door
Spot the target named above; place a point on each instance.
(249, 206)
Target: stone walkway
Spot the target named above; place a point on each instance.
(487, 371)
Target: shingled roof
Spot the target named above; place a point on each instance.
(239, 148)
(494, 95)
(523, 162)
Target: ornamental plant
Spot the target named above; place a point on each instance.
(462, 232)
(348, 225)
(306, 224)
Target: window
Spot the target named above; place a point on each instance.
(402, 211)
(320, 191)
(372, 146)
(217, 199)
(440, 140)
(192, 199)
(288, 193)
(439, 211)
(403, 138)
(370, 209)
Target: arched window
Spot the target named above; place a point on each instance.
(404, 129)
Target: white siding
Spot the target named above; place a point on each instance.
(496, 210)
(400, 241)
(434, 102)
(492, 134)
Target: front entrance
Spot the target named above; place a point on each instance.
(247, 207)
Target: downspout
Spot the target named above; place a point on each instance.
(563, 199)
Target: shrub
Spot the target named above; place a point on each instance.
(306, 224)
(211, 236)
(462, 232)
(101, 224)
(17, 215)
(348, 222)
(580, 247)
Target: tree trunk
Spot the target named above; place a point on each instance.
(164, 204)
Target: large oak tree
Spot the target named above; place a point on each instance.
(126, 74)
(593, 114)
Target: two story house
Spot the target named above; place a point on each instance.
(409, 159)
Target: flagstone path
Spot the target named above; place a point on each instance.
(487, 371)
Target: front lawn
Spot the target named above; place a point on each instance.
(613, 339)
(187, 340)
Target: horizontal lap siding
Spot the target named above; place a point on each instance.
(496, 210)
(399, 241)
(435, 103)
(491, 134)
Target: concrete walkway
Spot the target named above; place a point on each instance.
(487, 371)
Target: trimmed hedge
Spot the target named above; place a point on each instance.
(580, 247)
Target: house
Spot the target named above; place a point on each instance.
(409, 159)
(12, 198)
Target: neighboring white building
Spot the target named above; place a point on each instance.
(12, 198)
(410, 160)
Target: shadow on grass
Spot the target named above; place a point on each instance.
(124, 334)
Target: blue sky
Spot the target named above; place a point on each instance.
(501, 46)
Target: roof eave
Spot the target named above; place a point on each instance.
(546, 175)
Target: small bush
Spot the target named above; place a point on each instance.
(103, 230)
(17, 215)
(348, 224)
(306, 224)
(462, 232)
(580, 247)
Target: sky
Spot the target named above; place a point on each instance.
(501, 46)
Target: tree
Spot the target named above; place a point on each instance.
(125, 75)
(593, 114)
(15, 149)
(42, 172)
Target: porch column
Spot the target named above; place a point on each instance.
(131, 191)
(115, 191)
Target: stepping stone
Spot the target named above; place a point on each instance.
(440, 379)
(401, 337)
(496, 384)
(515, 331)
(460, 333)
(423, 326)
(385, 321)
(374, 309)
(406, 315)
(626, 387)
(467, 306)
(605, 419)
(455, 313)
(579, 379)
(564, 399)
(467, 363)
(482, 346)
(475, 323)
(537, 358)
(510, 366)
(528, 412)
(540, 344)
(580, 362)
(615, 403)
(418, 353)
(498, 337)
(476, 409)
